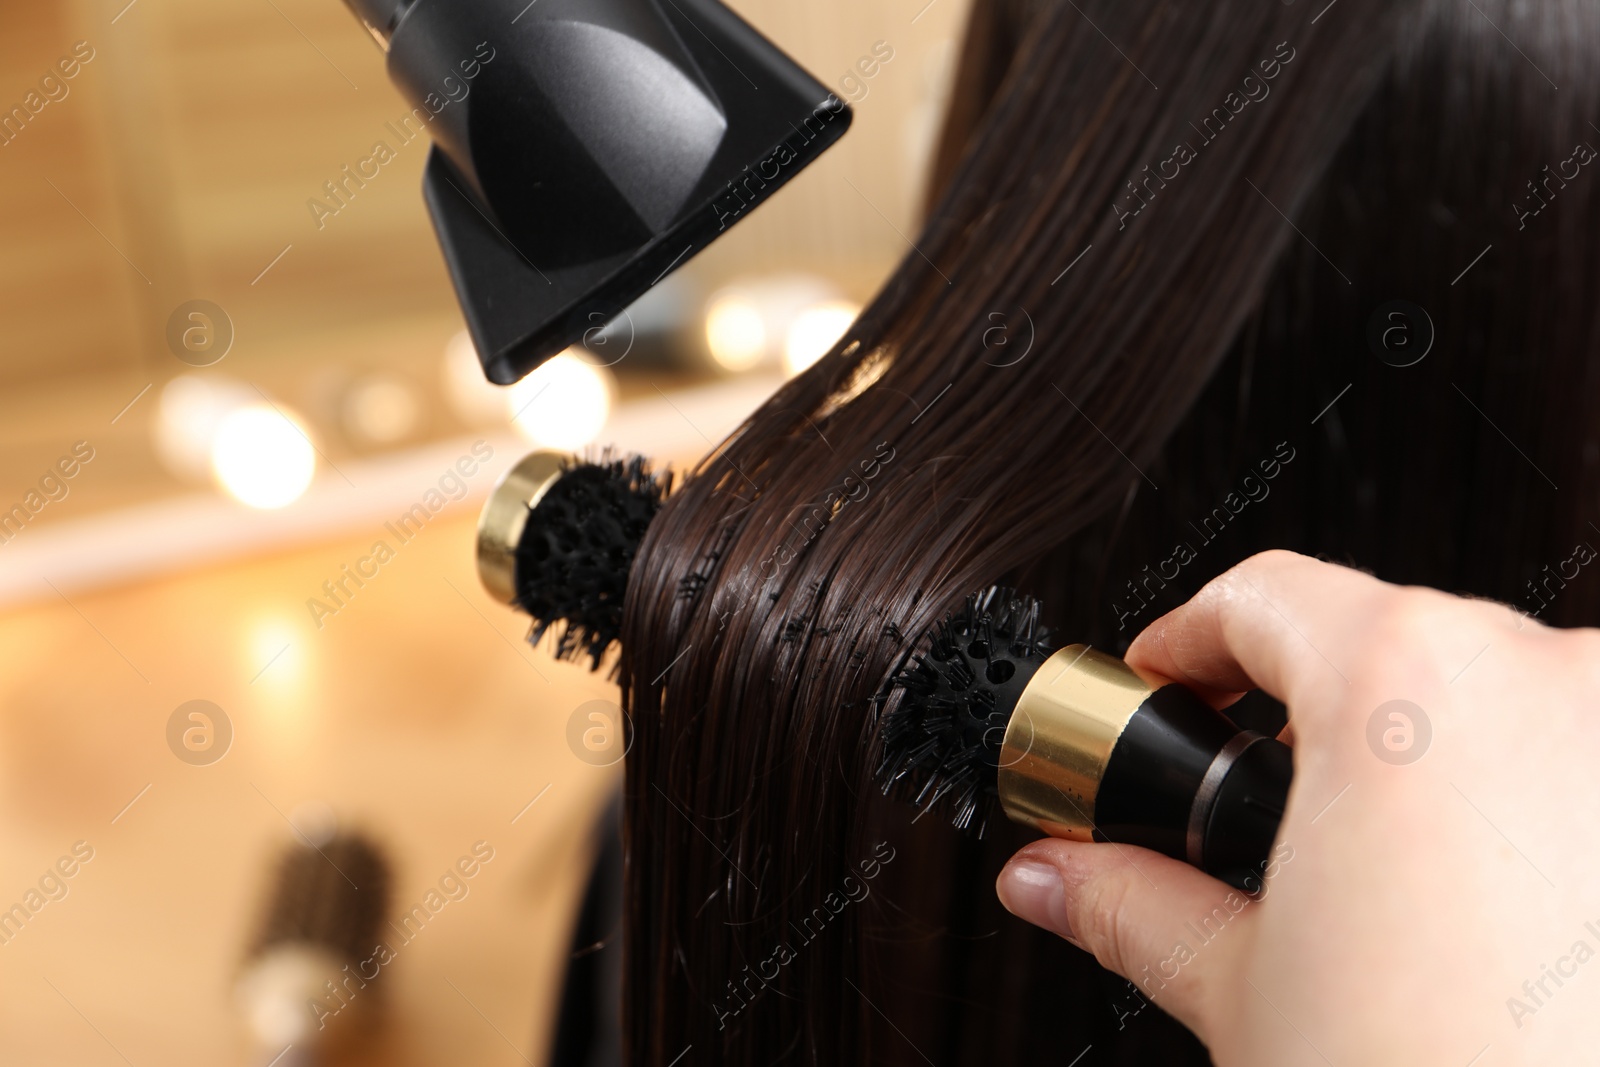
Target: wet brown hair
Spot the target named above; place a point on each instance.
(1072, 374)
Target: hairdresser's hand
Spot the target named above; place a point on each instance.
(1429, 896)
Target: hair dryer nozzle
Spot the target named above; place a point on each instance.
(584, 149)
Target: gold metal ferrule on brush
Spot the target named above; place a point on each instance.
(1094, 752)
(1061, 736)
(504, 516)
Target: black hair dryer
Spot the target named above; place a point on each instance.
(583, 149)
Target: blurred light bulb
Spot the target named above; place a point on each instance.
(735, 333)
(563, 404)
(273, 655)
(262, 457)
(475, 400)
(814, 331)
(187, 416)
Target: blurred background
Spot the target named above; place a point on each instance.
(216, 402)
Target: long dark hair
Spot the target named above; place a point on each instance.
(1199, 279)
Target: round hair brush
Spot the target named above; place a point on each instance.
(557, 539)
(304, 966)
(1076, 744)
(944, 739)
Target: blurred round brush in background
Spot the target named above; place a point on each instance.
(321, 923)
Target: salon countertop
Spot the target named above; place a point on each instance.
(415, 713)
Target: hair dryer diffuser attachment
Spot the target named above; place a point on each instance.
(557, 540)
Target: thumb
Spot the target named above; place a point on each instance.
(1173, 931)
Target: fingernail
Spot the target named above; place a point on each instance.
(1032, 891)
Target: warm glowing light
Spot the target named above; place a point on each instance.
(735, 333)
(563, 404)
(814, 331)
(190, 409)
(753, 320)
(272, 651)
(262, 457)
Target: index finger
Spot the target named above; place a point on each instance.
(1278, 622)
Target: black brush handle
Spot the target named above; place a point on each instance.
(1246, 812)
(1185, 781)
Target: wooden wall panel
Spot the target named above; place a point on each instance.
(67, 300)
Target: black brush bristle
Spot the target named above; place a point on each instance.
(577, 548)
(941, 743)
